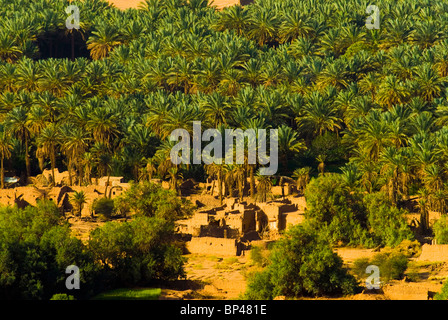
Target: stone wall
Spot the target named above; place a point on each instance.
(434, 252)
(211, 245)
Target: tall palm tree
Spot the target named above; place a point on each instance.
(6, 146)
(264, 188)
(302, 176)
(263, 26)
(48, 139)
(103, 40)
(74, 144)
(17, 121)
(288, 145)
(78, 200)
(294, 25)
(392, 91)
(234, 17)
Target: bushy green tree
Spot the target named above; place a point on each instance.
(441, 230)
(391, 265)
(349, 217)
(151, 200)
(337, 210)
(387, 223)
(138, 251)
(302, 263)
(36, 247)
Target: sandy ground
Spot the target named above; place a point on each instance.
(126, 4)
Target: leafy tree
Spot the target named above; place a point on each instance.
(36, 248)
(137, 252)
(151, 200)
(301, 263)
(441, 230)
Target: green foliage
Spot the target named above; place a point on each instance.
(258, 255)
(443, 294)
(337, 210)
(35, 249)
(104, 207)
(349, 217)
(151, 200)
(391, 264)
(302, 263)
(62, 296)
(387, 223)
(139, 251)
(129, 294)
(441, 230)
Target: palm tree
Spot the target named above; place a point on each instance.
(302, 176)
(263, 26)
(319, 115)
(234, 17)
(6, 147)
(430, 84)
(74, 144)
(103, 158)
(78, 200)
(351, 174)
(47, 141)
(294, 25)
(321, 167)
(288, 145)
(264, 188)
(103, 40)
(9, 51)
(392, 91)
(17, 121)
(103, 125)
(215, 170)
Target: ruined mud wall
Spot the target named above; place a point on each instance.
(211, 245)
(434, 252)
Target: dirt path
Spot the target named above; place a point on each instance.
(211, 277)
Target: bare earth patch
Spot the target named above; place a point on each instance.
(126, 4)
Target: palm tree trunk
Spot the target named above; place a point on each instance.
(252, 181)
(73, 46)
(70, 180)
(220, 185)
(2, 173)
(53, 164)
(107, 183)
(27, 160)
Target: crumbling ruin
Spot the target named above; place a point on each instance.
(240, 223)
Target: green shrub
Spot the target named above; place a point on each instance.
(443, 294)
(138, 251)
(62, 296)
(258, 256)
(392, 266)
(151, 200)
(301, 263)
(441, 230)
(337, 210)
(104, 207)
(388, 225)
(36, 247)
